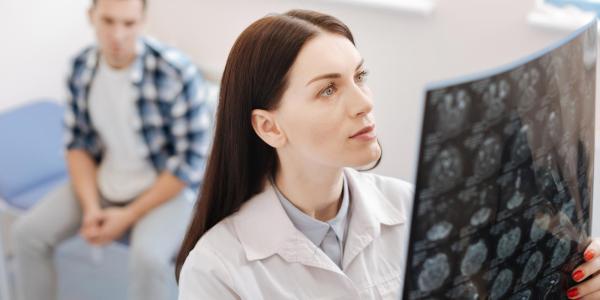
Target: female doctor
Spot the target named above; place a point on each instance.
(283, 214)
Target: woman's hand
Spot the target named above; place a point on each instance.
(590, 289)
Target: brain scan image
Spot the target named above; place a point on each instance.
(453, 111)
(447, 169)
(488, 157)
(520, 151)
(508, 243)
(532, 267)
(561, 252)
(474, 258)
(495, 99)
(502, 199)
(439, 231)
(435, 271)
(501, 284)
(481, 216)
(517, 198)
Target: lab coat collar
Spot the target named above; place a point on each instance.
(264, 229)
(370, 210)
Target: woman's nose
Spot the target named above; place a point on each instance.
(361, 103)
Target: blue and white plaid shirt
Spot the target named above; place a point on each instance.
(175, 110)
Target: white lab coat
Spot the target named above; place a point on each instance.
(257, 253)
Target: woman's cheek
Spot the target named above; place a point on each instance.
(323, 133)
(325, 136)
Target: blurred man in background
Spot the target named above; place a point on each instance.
(137, 134)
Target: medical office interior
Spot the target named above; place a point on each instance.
(406, 44)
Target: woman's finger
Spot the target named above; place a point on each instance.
(586, 288)
(592, 250)
(591, 265)
(586, 269)
(592, 296)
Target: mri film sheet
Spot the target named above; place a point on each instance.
(504, 180)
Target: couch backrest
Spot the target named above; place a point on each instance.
(31, 146)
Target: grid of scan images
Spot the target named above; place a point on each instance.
(502, 201)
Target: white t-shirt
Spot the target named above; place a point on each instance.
(124, 173)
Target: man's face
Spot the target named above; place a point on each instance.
(118, 24)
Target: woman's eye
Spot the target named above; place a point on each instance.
(330, 90)
(362, 76)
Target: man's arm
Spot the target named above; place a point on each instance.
(82, 170)
(166, 187)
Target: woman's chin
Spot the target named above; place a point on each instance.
(366, 159)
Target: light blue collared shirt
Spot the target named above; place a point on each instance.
(329, 236)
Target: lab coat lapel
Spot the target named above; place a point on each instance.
(369, 209)
(264, 229)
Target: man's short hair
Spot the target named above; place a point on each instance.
(96, 1)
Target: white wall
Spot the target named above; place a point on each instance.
(37, 40)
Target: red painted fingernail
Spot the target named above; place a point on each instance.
(572, 293)
(588, 255)
(578, 275)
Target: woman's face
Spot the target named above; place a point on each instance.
(326, 111)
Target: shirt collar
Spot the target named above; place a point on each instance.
(315, 229)
(264, 229)
(137, 67)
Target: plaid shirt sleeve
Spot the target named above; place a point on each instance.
(190, 129)
(76, 127)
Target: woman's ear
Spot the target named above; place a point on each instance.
(267, 129)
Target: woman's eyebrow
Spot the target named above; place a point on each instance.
(362, 61)
(333, 75)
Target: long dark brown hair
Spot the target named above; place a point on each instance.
(255, 77)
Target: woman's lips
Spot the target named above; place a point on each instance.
(366, 133)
